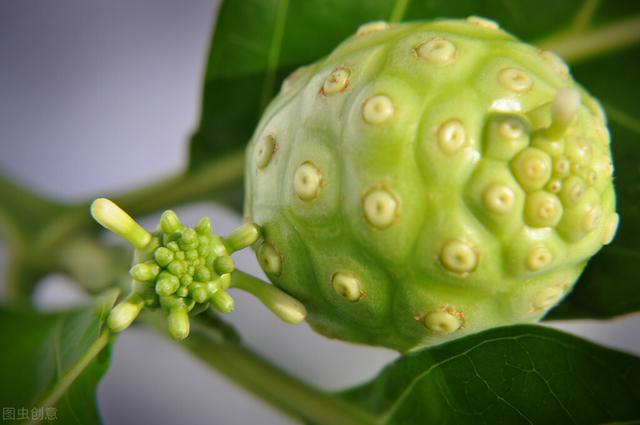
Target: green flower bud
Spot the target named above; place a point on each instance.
(191, 254)
(202, 274)
(115, 219)
(204, 227)
(125, 313)
(198, 291)
(242, 237)
(214, 286)
(145, 271)
(182, 291)
(177, 267)
(188, 239)
(170, 223)
(223, 264)
(167, 284)
(178, 323)
(224, 281)
(163, 256)
(185, 280)
(222, 301)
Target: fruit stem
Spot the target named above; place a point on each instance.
(283, 305)
(273, 385)
(186, 187)
(574, 47)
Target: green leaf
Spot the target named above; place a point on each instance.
(258, 42)
(24, 218)
(54, 361)
(23, 213)
(513, 375)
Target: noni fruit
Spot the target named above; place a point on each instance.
(429, 180)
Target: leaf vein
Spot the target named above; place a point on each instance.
(274, 52)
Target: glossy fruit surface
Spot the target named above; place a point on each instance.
(429, 180)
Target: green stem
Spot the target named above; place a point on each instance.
(271, 384)
(574, 47)
(186, 187)
(283, 305)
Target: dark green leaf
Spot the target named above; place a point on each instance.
(258, 42)
(514, 375)
(54, 361)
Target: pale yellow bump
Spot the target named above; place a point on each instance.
(577, 169)
(452, 136)
(348, 287)
(561, 167)
(458, 256)
(610, 230)
(515, 80)
(592, 177)
(307, 181)
(511, 129)
(377, 109)
(578, 149)
(499, 198)
(539, 258)
(554, 185)
(443, 322)
(542, 209)
(380, 208)
(337, 81)
(266, 148)
(592, 218)
(372, 27)
(556, 63)
(269, 259)
(532, 168)
(437, 50)
(573, 190)
(547, 298)
(483, 23)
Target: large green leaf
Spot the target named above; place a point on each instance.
(514, 375)
(54, 362)
(258, 42)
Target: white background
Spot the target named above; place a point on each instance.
(100, 97)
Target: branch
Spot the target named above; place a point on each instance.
(574, 47)
(211, 342)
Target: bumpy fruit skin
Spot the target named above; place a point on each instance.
(429, 180)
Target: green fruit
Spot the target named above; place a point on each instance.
(429, 180)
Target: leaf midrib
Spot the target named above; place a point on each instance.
(274, 52)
